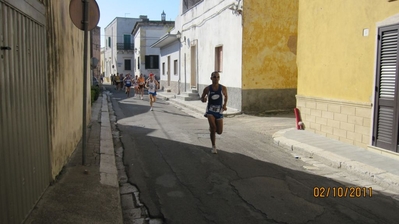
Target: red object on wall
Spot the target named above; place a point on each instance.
(297, 118)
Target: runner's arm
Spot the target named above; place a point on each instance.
(224, 92)
(204, 94)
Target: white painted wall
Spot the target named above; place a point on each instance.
(212, 24)
(125, 27)
(172, 51)
(143, 39)
(116, 30)
(102, 60)
(137, 55)
(152, 35)
(108, 54)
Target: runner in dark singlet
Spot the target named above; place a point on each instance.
(128, 83)
(216, 94)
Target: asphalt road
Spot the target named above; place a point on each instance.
(250, 180)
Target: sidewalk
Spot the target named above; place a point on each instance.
(195, 105)
(90, 193)
(380, 167)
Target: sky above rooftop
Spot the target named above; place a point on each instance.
(109, 9)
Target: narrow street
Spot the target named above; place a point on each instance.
(250, 180)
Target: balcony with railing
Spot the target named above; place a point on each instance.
(124, 46)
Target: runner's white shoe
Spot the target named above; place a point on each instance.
(214, 150)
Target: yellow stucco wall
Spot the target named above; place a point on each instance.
(65, 72)
(335, 60)
(269, 44)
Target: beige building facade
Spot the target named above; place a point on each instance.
(344, 76)
(269, 54)
(65, 81)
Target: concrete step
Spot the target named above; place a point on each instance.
(187, 96)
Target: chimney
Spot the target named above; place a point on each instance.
(143, 18)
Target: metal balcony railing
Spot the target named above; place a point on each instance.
(124, 46)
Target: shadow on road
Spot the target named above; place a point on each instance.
(182, 182)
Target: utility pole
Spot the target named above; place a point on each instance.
(86, 35)
(79, 13)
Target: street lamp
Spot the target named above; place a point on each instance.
(178, 36)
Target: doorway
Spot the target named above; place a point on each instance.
(168, 71)
(193, 67)
(385, 128)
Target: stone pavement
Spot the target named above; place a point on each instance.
(85, 193)
(379, 166)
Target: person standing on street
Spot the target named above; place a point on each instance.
(136, 85)
(216, 94)
(141, 82)
(121, 84)
(117, 81)
(112, 79)
(152, 86)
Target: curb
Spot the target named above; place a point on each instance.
(376, 175)
(165, 96)
(201, 110)
(181, 104)
(108, 171)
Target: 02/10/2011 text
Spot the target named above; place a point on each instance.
(342, 192)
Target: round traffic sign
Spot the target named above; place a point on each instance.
(76, 13)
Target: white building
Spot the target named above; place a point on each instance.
(102, 62)
(119, 47)
(170, 75)
(146, 33)
(210, 39)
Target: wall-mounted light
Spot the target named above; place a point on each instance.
(236, 8)
(178, 36)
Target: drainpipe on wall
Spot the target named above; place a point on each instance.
(185, 74)
(178, 83)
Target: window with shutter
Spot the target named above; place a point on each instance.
(385, 133)
(152, 62)
(128, 64)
